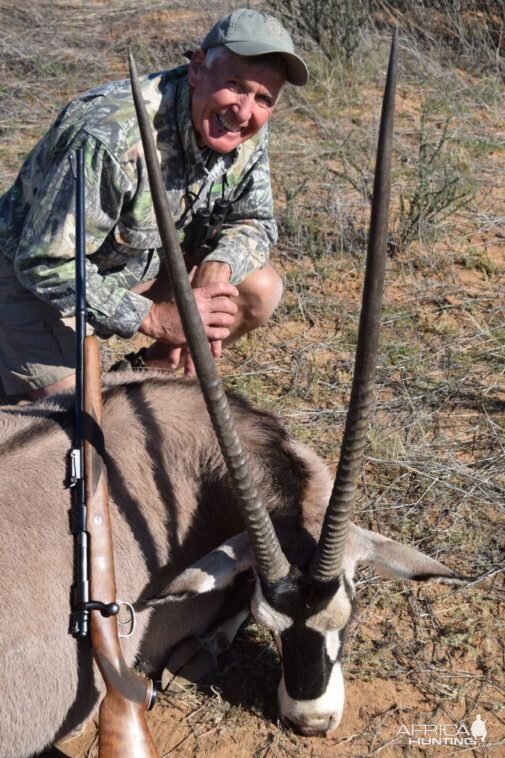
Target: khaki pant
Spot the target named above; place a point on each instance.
(37, 345)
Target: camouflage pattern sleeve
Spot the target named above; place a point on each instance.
(45, 256)
(250, 229)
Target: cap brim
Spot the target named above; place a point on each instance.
(297, 72)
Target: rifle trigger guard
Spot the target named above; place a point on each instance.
(131, 620)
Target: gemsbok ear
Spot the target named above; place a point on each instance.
(215, 571)
(392, 559)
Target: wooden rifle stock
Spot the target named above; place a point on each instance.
(123, 730)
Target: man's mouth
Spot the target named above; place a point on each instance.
(226, 125)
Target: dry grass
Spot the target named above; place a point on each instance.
(434, 475)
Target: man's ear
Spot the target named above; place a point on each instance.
(195, 65)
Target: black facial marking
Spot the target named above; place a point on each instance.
(305, 662)
(298, 595)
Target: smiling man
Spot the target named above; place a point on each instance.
(210, 124)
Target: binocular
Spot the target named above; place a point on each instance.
(205, 227)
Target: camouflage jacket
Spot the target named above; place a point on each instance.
(37, 215)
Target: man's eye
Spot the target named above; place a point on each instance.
(232, 84)
(266, 101)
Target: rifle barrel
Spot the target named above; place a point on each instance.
(79, 624)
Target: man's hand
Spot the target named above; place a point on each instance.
(217, 310)
(212, 271)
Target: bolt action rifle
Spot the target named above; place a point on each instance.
(122, 726)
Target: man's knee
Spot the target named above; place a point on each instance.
(260, 294)
(37, 350)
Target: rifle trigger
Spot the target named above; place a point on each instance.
(131, 620)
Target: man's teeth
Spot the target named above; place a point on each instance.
(224, 124)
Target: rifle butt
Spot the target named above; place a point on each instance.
(123, 731)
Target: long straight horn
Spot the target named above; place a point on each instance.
(272, 565)
(327, 561)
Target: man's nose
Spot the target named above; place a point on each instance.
(244, 108)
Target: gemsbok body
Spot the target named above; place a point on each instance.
(180, 549)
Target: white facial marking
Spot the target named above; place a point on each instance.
(278, 642)
(332, 640)
(334, 617)
(264, 614)
(320, 715)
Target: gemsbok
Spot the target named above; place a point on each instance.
(203, 492)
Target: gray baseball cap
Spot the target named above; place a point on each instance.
(248, 32)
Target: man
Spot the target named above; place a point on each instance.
(209, 120)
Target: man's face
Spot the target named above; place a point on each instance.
(232, 101)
